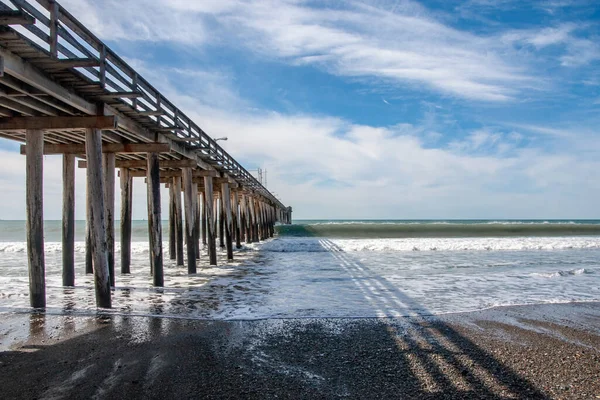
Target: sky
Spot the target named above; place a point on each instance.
(374, 110)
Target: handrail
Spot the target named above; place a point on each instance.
(59, 30)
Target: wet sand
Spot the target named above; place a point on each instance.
(534, 352)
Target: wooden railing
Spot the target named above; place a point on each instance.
(63, 37)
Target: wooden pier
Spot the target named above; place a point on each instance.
(64, 92)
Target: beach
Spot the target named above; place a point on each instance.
(326, 309)
(538, 351)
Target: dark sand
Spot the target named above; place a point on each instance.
(544, 351)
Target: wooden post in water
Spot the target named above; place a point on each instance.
(178, 224)
(172, 234)
(226, 216)
(189, 219)
(34, 174)
(221, 222)
(203, 218)
(210, 234)
(89, 264)
(95, 187)
(109, 204)
(246, 218)
(68, 221)
(154, 220)
(237, 220)
(251, 220)
(126, 203)
(196, 221)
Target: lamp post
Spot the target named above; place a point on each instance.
(221, 138)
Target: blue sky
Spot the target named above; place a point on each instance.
(380, 109)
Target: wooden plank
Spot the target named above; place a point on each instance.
(35, 218)
(131, 148)
(126, 203)
(228, 221)
(154, 220)
(189, 220)
(143, 164)
(18, 68)
(168, 129)
(178, 223)
(208, 204)
(120, 95)
(68, 221)
(59, 123)
(171, 174)
(151, 113)
(95, 186)
(68, 63)
(109, 204)
(15, 17)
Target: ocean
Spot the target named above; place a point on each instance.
(321, 268)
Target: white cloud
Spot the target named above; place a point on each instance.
(405, 46)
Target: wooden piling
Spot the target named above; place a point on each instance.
(221, 222)
(196, 221)
(68, 221)
(95, 187)
(210, 234)
(109, 204)
(89, 264)
(227, 218)
(172, 234)
(237, 220)
(203, 223)
(154, 220)
(178, 223)
(35, 217)
(189, 220)
(126, 203)
(246, 219)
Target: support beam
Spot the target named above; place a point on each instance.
(109, 204)
(227, 218)
(189, 220)
(68, 221)
(126, 203)
(208, 203)
(172, 235)
(195, 227)
(221, 222)
(237, 220)
(197, 173)
(35, 218)
(15, 17)
(95, 186)
(89, 264)
(154, 220)
(121, 95)
(197, 220)
(55, 123)
(142, 164)
(106, 148)
(72, 63)
(178, 224)
(203, 222)
(247, 219)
